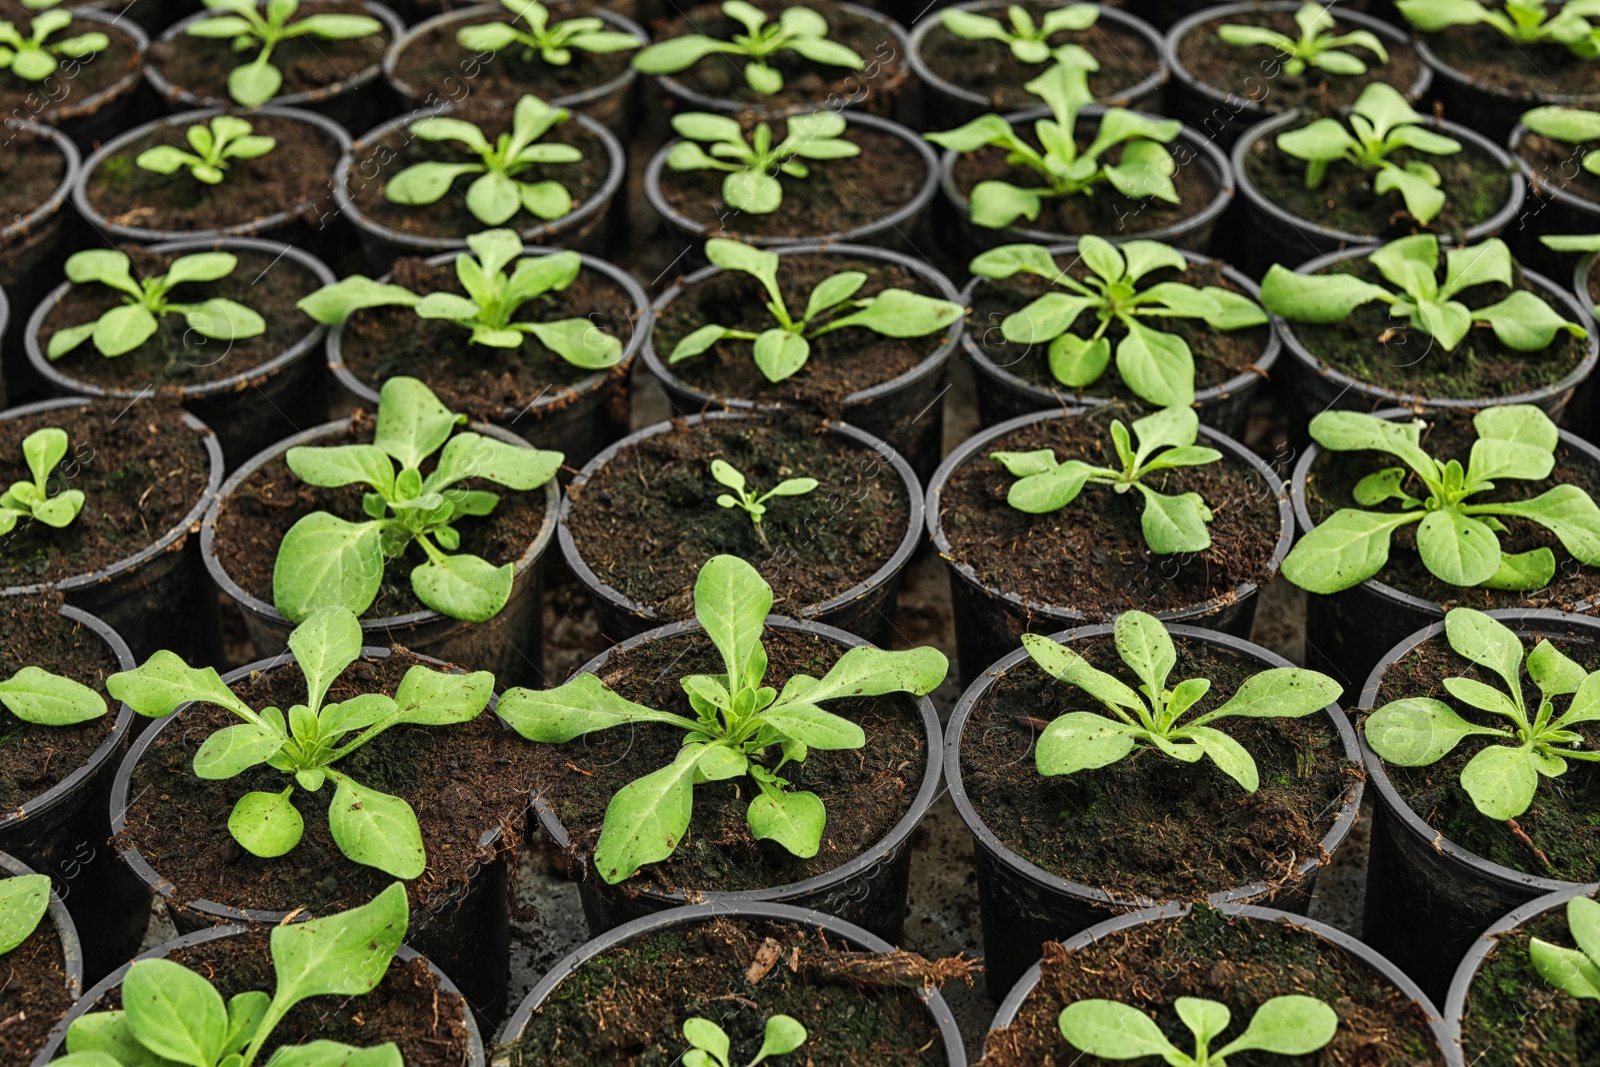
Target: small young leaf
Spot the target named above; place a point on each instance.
(24, 899)
(1081, 741)
(266, 824)
(376, 829)
(794, 820)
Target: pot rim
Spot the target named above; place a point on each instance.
(67, 111)
(1446, 72)
(643, 319)
(516, 1024)
(233, 383)
(1072, 616)
(896, 563)
(329, 129)
(250, 603)
(167, 542)
(1057, 397)
(1542, 189)
(697, 231)
(858, 864)
(930, 364)
(69, 178)
(66, 929)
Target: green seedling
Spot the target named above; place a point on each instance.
(41, 450)
(306, 744)
(1575, 971)
(1156, 365)
(710, 1046)
(1522, 22)
(751, 183)
(1028, 40)
(782, 350)
(554, 44)
(1569, 125)
(326, 562)
(136, 320)
(171, 1015)
(798, 29)
(1382, 123)
(33, 58)
(1287, 1026)
(743, 729)
(1458, 540)
(500, 189)
(225, 137)
(1503, 776)
(24, 899)
(1521, 320)
(492, 299)
(1317, 46)
(253, 83)
(754, 504)
(1165, 442)
(1149, 718)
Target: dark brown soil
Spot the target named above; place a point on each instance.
(1514, 1017)
(483, 382)
(804, 82)
(32, 168)
(140, 471)
(1148, 825)
(1474, 184)
(33, 992)
(407, 1007)
(1241, 963)
(866, 791)
(76, 81)
(1035, 555)
(1378, 350)
(1561, 822)
(989, 69)
(435, 64)
(1255, 72)
(254, 519)
(838, 195)
(1106, 212)
(841, 363)
(376, 161)
(627, 1006)
(1333, 478)
(463, 781)
(294, 176)
(649, 519)
(177, 356)
(1532, 71)
(1558, 165)
(34, 759)
(201, 65)
(1219, 355)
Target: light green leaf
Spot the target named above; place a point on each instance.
(174, 1012)
(647, 818)
(375, 829)
(266, 824)
(794, 820)
(44, 699)
(324, 561)
(1080, 741)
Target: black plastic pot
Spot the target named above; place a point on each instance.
(583, 229)
(1003, 395)
(1491, 110)
(1552, 208)
(1481, 951)
(868, 890)
(1022, 905)
(294, 226)
(151, 15)
(251, 409)
(511, 645)
(61, 919)
(92, 118)
(866, 609)
(953, 105)
(1391, 974)
(91, 1000)
(989, 621)
(32, 250)
(1428, 897)
(1279, 236)
(610, 103)
(470, 935)
(906, 411)
(154, 597)
(5, 320)
(1348, 632)
(897, 229)
(858, 938)
(64, 833)
(355, 103)
(1224, 115)
(1188, 149)
(576, 420)
(1320, 387)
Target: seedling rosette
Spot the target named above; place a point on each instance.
(797, 29)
